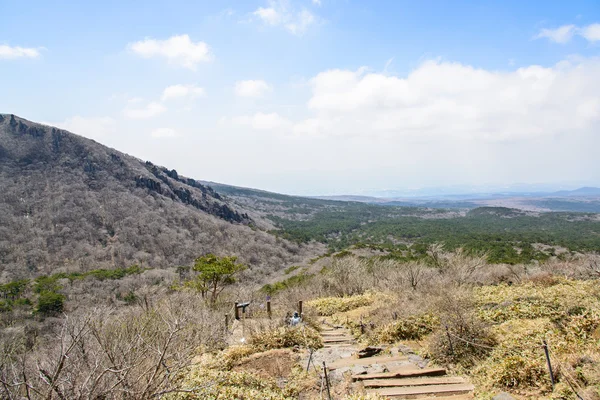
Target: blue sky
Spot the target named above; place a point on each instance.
(318, 97)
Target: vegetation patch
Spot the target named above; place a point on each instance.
(293, 281)
(566, 314)
(414, 327)
(328, 306)
(291, 269)
(285, 337)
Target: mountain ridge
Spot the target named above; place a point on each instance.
(72, 203)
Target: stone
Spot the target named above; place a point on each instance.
(368, 352)
(377, 368)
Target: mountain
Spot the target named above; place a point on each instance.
(71, 204)
(581, 192)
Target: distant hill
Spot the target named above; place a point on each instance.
(70, 203)
(581, 192)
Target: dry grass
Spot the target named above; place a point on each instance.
(328, 306)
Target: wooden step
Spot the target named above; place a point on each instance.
(337, 339)
(351, 361)
(410, 391)
(346, 344)
(335, 333)
(410, 372)
(381, 383)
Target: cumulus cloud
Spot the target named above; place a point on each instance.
(135, 111)
(97, 128)
(591, 32)
(10, 53)
(445, 100)
(559, 35)
(565, 33)
(182, 91)
(281, 13)
(263, 121)
(178, 50)
(164, 133)
(251, 88)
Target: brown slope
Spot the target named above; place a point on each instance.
(68, 202)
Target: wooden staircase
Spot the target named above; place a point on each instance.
(401, 378)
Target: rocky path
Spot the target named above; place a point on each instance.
(395, 373)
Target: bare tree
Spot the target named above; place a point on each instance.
(414, 272)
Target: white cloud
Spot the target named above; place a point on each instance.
(281, 13)
(182, 91)
(565, 33)
(10, 53)
(444, 100)
(251, 88)
(97, 128)
(300, 24)
(178, 50)
(150, 110)
(269, 15)
(591, 32)
(559, 35)
(317, 2)
(164, 133)
(263, 121)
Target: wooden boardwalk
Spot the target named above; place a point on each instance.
(394, 376)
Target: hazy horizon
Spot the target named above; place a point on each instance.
(320, 97)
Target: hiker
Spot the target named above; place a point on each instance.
(296, 319)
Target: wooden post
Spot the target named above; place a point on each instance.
(300, 308)
(269, 308)
(449, 340)
(237, 311)
(549, 363)
(309, 360)
(326, 381)
(226, 323)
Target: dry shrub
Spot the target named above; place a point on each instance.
(544, 279)
(250, 380)
(232, 355)
(107, 354)
(458, 267)
(210, 384)
(285, 336)
(518, 361)
(276, 363)
(328, 306)
(527, 301)
(347, 276)
(414, 327)
(462, 337)
(565, 313)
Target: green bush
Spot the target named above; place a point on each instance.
(50, 303)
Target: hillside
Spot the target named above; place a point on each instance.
(506, 235)
(72, 204)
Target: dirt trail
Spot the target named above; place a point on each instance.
(392, 372)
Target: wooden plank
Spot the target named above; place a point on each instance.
(380, 383)
(335, 333)
(402, 373)
(459, 388)
(351, 361)
(338, 339)
(341, 335)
